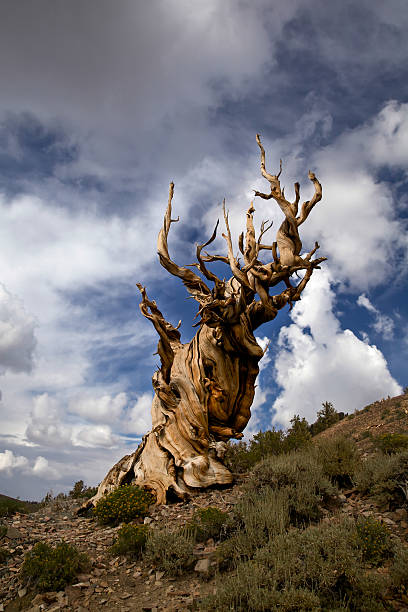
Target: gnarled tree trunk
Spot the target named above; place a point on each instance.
(204, 389)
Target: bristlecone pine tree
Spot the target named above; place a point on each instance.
(204, 389)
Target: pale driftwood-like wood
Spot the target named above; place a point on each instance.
(204, 389)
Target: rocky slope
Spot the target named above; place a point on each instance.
(114, 583)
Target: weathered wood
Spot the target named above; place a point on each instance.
(204, 389)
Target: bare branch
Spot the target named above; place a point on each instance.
(203, 269)
(307, 206)
(250, 242)
(209, 258)
(194, 284)
(169, 335)
(312, 252)
(235, 269)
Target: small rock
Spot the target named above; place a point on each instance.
(13, 534)
(159, 575)
(22, 592)
(147, 520)
(203, 566)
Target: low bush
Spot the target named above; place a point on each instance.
(302, 476)
(237, 457)
(373, 538)
(3, 531)
(130, 541)
(326, 417)
(320, 567)
(123, 504)
(208, 523)
(399, 569)
(258, 516)
(392, 443)
(241, 456)
(79, 490)
(385, 478)
(298, 435)
(338, 459)
(170, 552)
(51, 569)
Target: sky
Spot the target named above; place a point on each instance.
(102, 105)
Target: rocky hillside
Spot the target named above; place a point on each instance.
(366, 426)
(118, 583)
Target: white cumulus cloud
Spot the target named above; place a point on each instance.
(383, 324)
(140, 415)
(318, 361)
(104, 409)
(9, 462)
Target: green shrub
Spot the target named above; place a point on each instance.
(237, 458)
(399, 569)
(264, 443)
(208, 523)
(123, 504)
(338, 458)
(326, 417)
(298, 435)
(80, 490)
(131, 540)
(385, 478)
(320, 567)
(51, 569)
(374, 540)
(392, 443)
(258, 516)
(301, 475)
(251, 589)
(3, 531)
(170, 552)
(241, 457)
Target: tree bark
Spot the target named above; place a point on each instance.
(204, 389)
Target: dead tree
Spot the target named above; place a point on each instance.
(204, 389)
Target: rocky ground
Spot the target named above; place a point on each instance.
(388, 415)
(114, 583)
